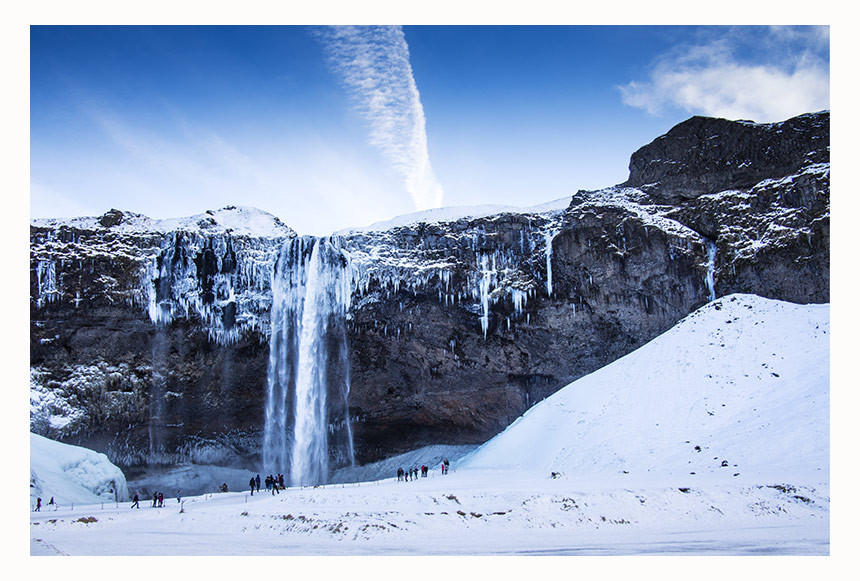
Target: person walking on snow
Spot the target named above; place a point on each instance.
(136, 502)
(253, 482)
(257, 480)
(179, 496)
(38, 504)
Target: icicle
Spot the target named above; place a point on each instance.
(519, 297)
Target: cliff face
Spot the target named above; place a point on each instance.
(760, 191)
(149, 341)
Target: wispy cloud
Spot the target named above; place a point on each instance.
(373, 64)
(768, 75)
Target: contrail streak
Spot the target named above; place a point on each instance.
(373, 63)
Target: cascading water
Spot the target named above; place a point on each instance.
(549, 236)
(709, 277)
(311, 295)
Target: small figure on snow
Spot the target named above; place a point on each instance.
(257, 480)
(38, 504)
(135, 503)
(179, 496)
(154, 499)
(160, 499)
(252, 483)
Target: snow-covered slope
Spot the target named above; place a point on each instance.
(452, 213)
(430, 456)
(72, 474)
(738, 388)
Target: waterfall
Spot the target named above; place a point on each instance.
(311, 293)
(484, 291)
(549, 236)
(709, 277)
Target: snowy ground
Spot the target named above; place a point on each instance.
(713, 439)
(466, 512)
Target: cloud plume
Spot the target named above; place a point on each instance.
(373, 64)
(784, 74)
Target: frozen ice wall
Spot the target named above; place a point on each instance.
(72, 474)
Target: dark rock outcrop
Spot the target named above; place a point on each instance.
(705, 155)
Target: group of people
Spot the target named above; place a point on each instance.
(412, 473)
(39, 504)
(157, 499)
(273, 483)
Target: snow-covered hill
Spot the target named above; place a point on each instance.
(72, 475)
(738, 388)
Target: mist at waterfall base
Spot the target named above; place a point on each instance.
(712, 439)
(307, 414)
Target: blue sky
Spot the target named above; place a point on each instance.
(334, 127)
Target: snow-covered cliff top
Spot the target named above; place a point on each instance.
(453, 213)
(236, 220)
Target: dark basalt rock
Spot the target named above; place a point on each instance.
(153, 346)
(705, 155)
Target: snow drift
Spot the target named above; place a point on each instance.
(71, 474)
(738, 388)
